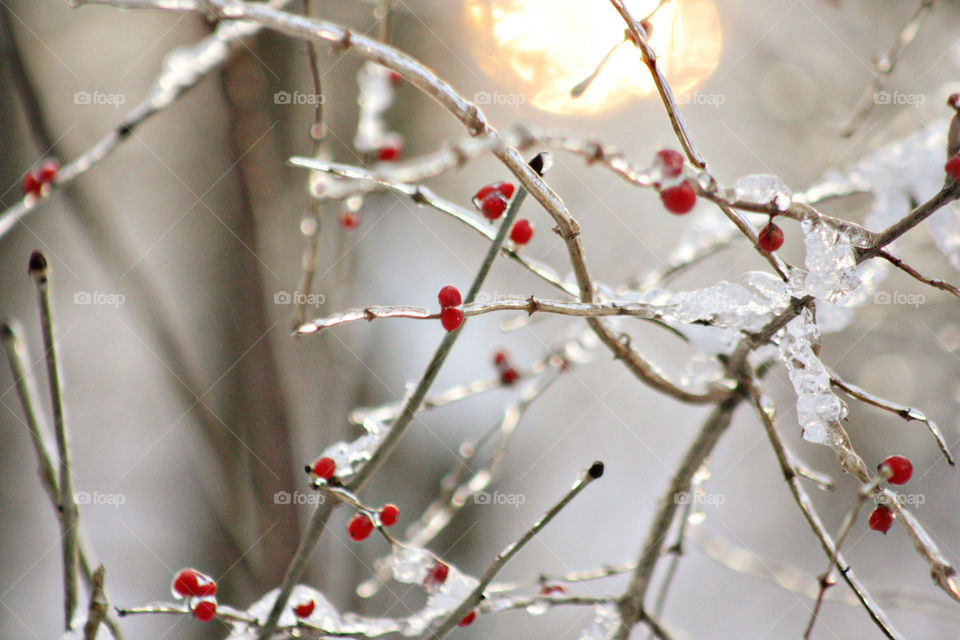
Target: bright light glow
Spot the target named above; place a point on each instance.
(540, 49)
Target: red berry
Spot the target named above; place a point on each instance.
(679, 199)
(451, 318)
(304, 609)
(953, 167)
(359, 527)
(896, 469)
(509, 376)
(669, 162)
(185, 583)
(449, 296)
(349, 219)
(48, 171)
(881, 519)
(468, 619)
(325, 468)
(190, 583)
(32, 184)
(500, 358)
(207, 588)
(436, 576)
(493, 205)
(770, 238)
(391, 149)
(205, 610)
(389, 514)
(521, 232)
(548, 589)
(506, 189)
(395, 78)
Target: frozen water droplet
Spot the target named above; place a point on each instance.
(538, 608)
(763, 188)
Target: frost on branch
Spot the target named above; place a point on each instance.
(605, 623)
(819, 411)
(410, 566)
(762, 189)
(831, 264)
(349, 456)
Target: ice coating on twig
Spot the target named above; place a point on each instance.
(762, 188)
(831, 264)
(409, 566)
(349, 456)
(818, 409)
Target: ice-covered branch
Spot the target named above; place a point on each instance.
(766, 412)
(183, 69)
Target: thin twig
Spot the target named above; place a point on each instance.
(18, 356)
(905, 412)
(68, 504)
(936, 283)
(586, 477)
(766, 412)
(884, 66)
(631, 603)
(97, 611)
(663, 88)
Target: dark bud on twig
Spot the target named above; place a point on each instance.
(541, 163)
(595, 470)
(38, 265)
(6, 330)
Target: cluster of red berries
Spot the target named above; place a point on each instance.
(36, 179)
(200, 590)
(450, 316)
(361, 524)
(508, 375)
(896, 470)
(953, 168)
(492, 201)
(676, 192)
